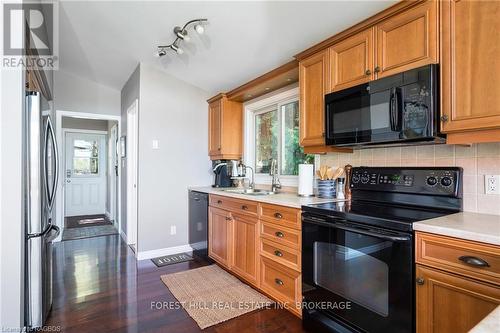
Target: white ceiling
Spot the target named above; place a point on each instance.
(104, 41)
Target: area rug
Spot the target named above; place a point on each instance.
(211, 296)
(86, 221)
(171, 259)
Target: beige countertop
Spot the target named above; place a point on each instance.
(491, 323)
(282, 199)
(470, 226)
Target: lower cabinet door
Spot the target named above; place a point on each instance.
(219, 236)
(245, 248)
(447, 303)
(281, 283)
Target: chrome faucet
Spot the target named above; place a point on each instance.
(252, 183)
(273, 172)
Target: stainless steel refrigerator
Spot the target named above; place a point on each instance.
(41, 166)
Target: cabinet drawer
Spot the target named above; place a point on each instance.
(281, 235)
(476, 260)
(234, 205)
(289, 217)
(284, 255)
(281, 283)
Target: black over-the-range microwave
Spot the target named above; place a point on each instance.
(398, 109)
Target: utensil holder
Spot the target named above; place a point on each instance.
(327, 188)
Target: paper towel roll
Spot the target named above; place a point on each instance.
(306, 179)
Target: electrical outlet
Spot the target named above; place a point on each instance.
(492, 184)
(156, 144)
(173, 230)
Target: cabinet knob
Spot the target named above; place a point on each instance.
(444, 118)
(420, 281)
(368, 72)
(278, 253)
(219, 201)
(278, 215)
(278, 282)
(377, 69)
(279, 234)
(244, 207)
(228, 218)
(218, 148)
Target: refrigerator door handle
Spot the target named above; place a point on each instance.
(47, 229)
(51, 190)
(56, 233)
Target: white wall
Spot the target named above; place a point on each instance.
(174, 113)
(73, 93)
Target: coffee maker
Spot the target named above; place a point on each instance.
(222, 170)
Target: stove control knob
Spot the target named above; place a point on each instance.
(432, 181)
(365, 179)
(446, 181)
(355, 178)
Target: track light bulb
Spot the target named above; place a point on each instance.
(199, 29)
(183, 35)
(177, 49)
(160, 53)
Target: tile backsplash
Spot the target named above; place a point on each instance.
(476, 160)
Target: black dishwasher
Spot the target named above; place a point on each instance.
(198, 223)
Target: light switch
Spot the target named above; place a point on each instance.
(156, 144)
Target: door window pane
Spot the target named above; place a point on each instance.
(85, 157)
(266, 140)
(292, 153)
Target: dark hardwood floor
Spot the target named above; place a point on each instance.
(100, 287)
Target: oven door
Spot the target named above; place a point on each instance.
(359, 276)
(358, 116)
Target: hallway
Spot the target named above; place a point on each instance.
(100, 287)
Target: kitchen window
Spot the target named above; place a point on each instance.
(272, 132)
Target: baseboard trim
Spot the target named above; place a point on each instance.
(142, 255)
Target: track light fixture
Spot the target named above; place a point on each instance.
(181, 34)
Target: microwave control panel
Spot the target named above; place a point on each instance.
(436, 181)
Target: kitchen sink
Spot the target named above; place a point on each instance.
(249, 191)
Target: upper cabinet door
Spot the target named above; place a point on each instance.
(214, 125)
(314, 84)
(352, 61)
(470, 66)
(407, 40)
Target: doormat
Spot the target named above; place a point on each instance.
(171, 259)
(86, 221)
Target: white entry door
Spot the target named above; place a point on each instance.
(85, 173)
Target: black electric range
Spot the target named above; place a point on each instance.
(358, 256)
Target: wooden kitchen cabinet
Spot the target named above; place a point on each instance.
(220, 236)
(245, 248)
(470, 71)
(314, 82)
(352, 61)
(408, 40)
(225, 128)
(447, 303)
(457, 283)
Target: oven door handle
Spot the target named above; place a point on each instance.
(358, 231)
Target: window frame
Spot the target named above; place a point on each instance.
(266, 103)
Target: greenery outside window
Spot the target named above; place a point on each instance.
(272, 132)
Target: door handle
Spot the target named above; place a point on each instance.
(51, 191)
